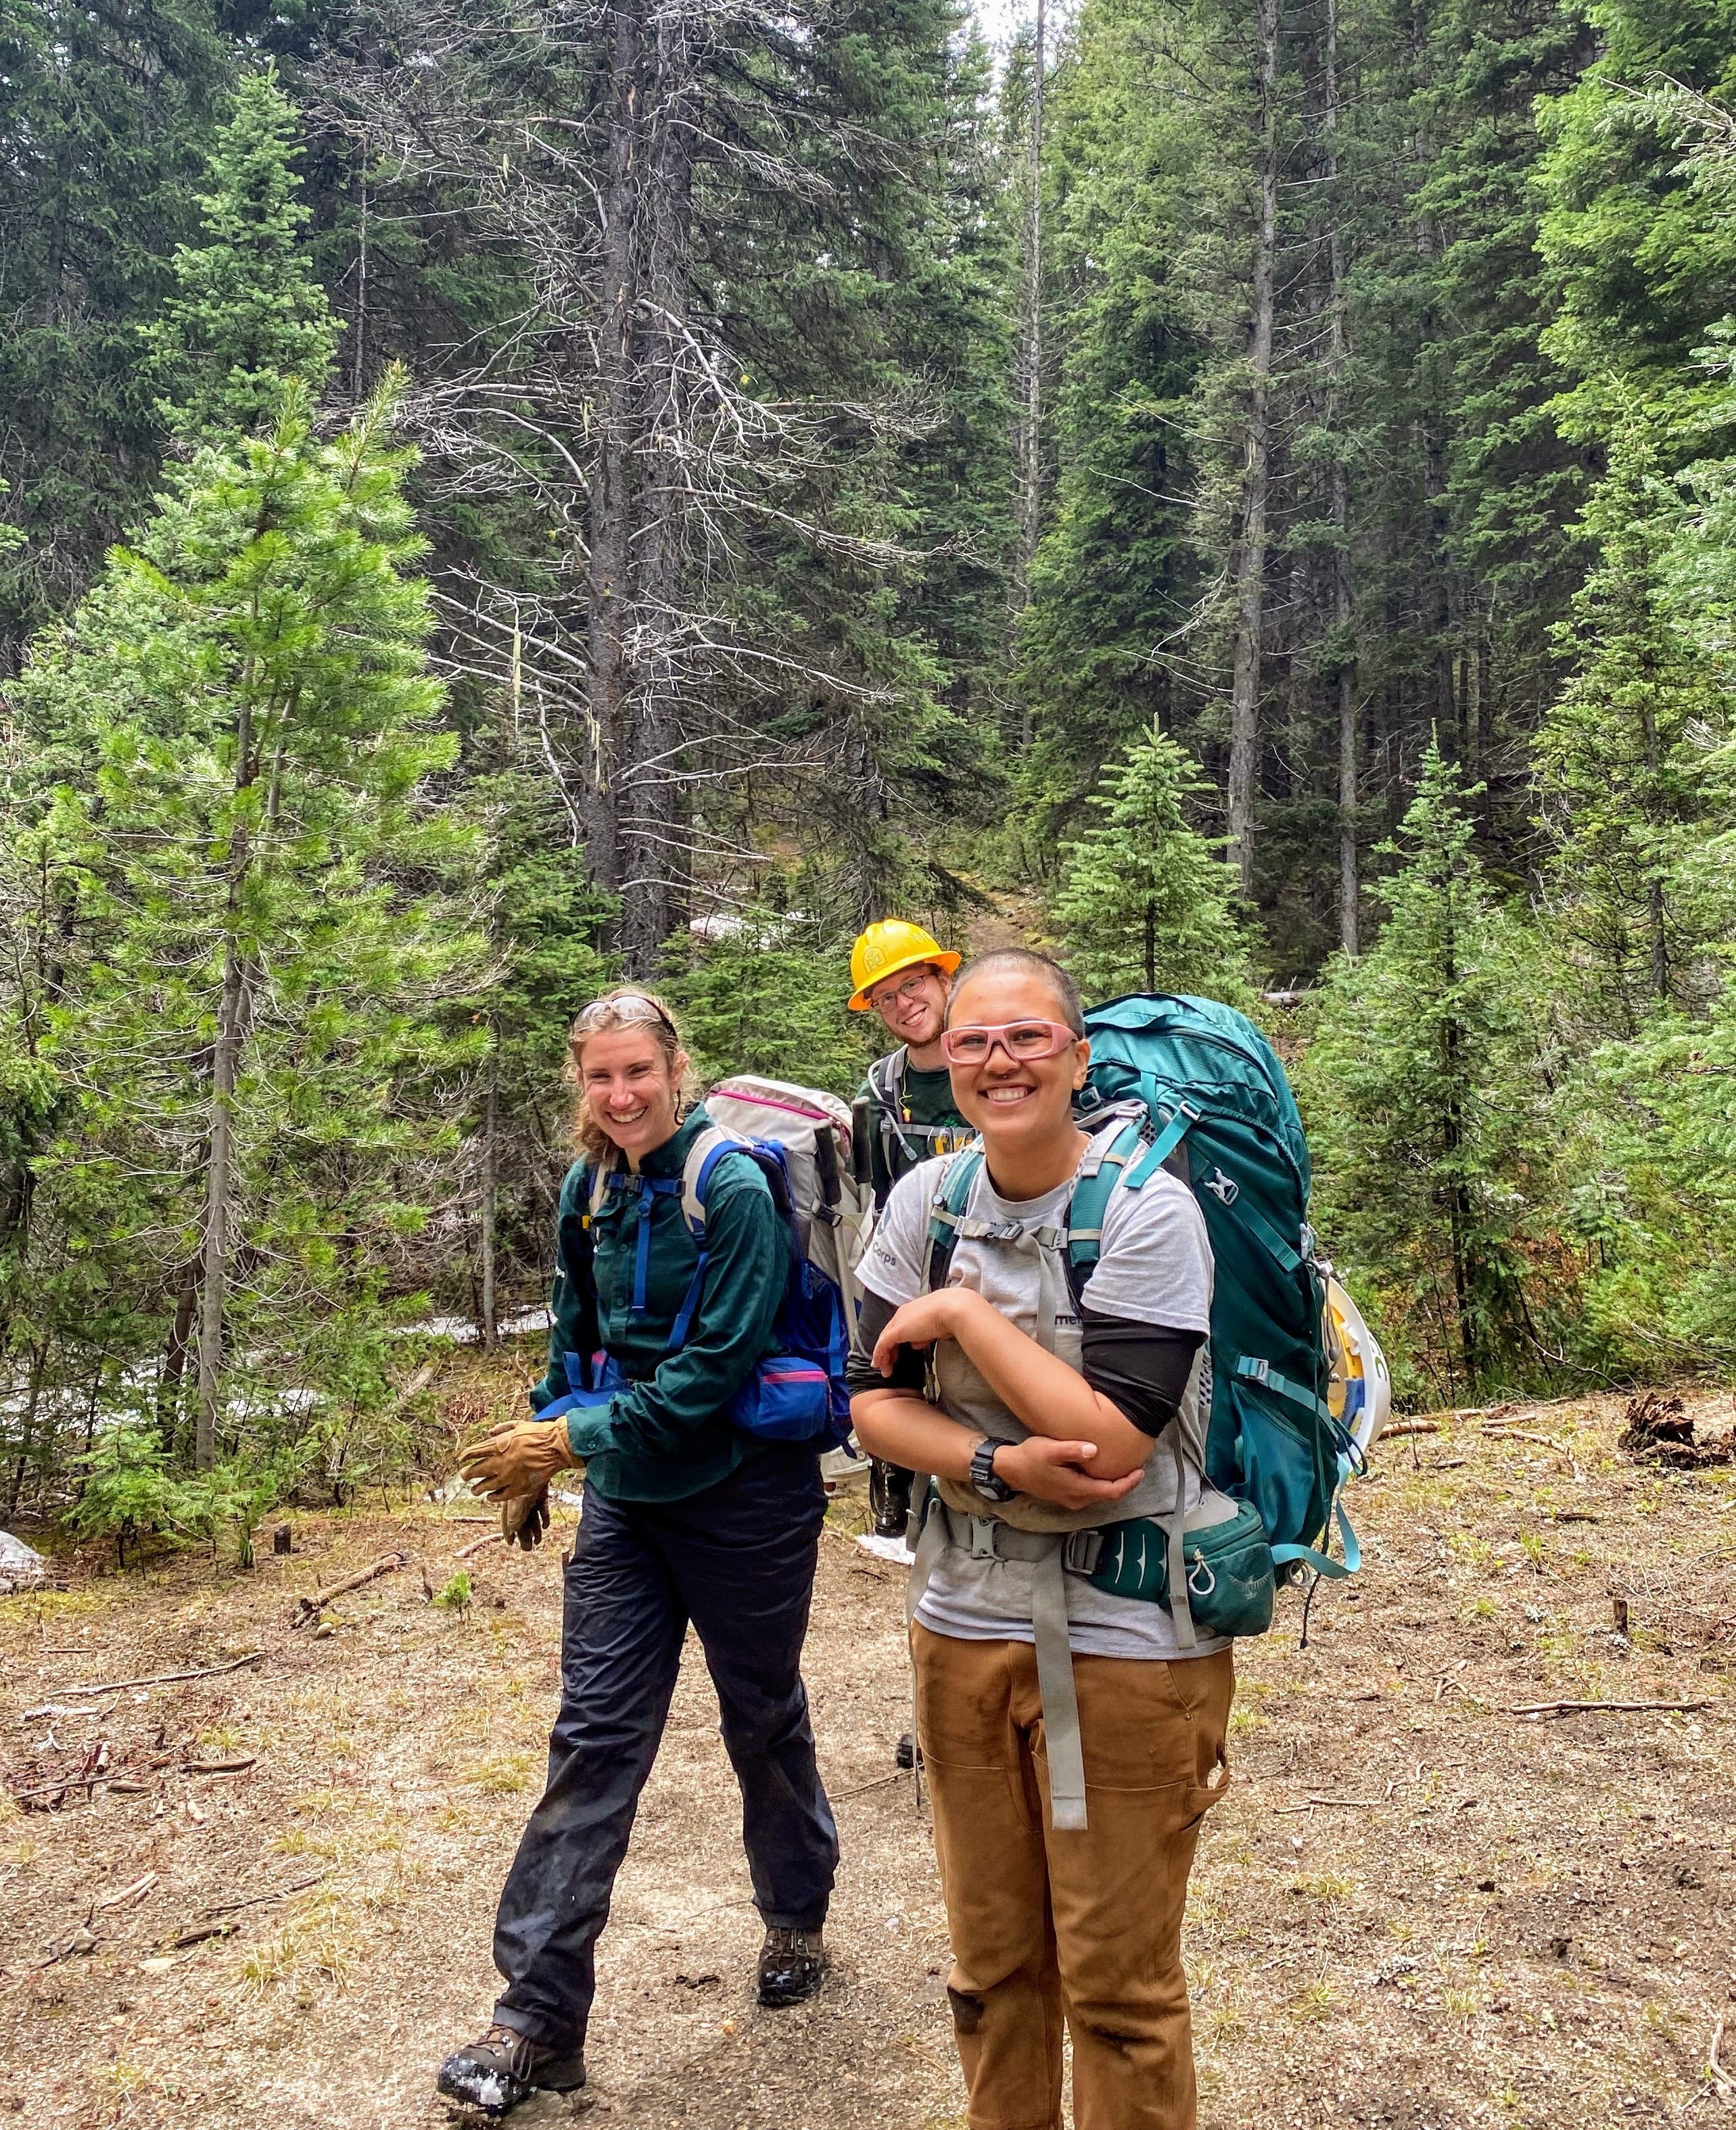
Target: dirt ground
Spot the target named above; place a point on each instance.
(1419, 1906)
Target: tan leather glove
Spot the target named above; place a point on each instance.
(513, 1464)
(525, 1518)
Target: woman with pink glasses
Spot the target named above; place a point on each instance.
(1071, 1749)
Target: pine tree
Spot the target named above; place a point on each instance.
(1423, 1103)
(262, 903)
(1640, 253)
(1145, 901)
(248, 313)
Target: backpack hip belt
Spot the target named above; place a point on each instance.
(1162, 1571)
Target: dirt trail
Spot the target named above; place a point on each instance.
(1488, 1920)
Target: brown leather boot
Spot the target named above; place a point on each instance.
(792, 1965)
(503, 2067)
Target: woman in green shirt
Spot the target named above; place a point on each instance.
(685, 1519)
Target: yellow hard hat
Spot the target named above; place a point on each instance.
(887, 947)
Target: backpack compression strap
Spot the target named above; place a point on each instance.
(1224, 1188)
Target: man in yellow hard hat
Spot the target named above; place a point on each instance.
(904, 974)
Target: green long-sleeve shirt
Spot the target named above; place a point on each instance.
(667, 1435)
(928, 1103)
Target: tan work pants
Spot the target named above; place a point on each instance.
(1083, 1926)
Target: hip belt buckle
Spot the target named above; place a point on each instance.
(1080, 1553)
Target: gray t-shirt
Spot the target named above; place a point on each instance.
(1155, 1267)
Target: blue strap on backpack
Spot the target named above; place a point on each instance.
(796, 1394)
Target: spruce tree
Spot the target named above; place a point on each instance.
(1624, 758)
(105, 114)
(767, 993)
(1145, 901)
(1424, 1111)
(248, 313)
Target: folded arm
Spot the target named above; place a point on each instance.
(1051, 1398)
(892, 1420)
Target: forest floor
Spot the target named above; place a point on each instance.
(1418, 1906)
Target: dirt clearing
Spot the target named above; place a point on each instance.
(264, 1894)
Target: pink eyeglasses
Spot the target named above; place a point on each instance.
(1024, 1041)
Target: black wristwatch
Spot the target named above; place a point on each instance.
(983, 1477)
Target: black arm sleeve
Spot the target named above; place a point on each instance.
(1141, 1368)
(910, 1371)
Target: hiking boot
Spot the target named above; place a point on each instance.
(792, 1965)
(504, 2067)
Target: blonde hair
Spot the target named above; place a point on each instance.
(592, 1141)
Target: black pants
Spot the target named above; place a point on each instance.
(738, 1560)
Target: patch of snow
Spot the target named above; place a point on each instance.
(462, 1330)
(886, 1548)
(22, 1567)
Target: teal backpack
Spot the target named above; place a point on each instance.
(1212, 1101)
(1198, 1088)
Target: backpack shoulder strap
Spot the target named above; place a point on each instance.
(576, 1263)
(699, 1168)
(952, 1195)
(886, 1078)
(1106, 1164)
(697, 1171)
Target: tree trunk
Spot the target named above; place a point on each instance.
(647, 810)
(1030, 437)
(358, 363)
(179, 1345)
(1251, 562)
(214, 1254)
(27, 1432)
(490, 1325)
(611, 489)
(1348, 882)
(1657, 954)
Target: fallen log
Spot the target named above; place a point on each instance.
(1606, 1707)
(165, 1678)
(309, 1608)
(259, 1900)
(476, 1544)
